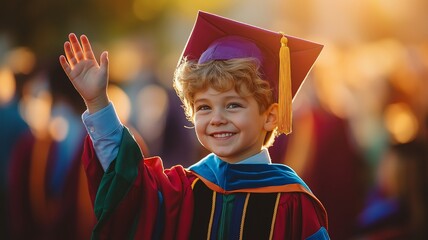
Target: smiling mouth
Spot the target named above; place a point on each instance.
(222, 135)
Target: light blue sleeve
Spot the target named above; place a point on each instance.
(105, 130)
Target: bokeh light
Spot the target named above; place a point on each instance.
(126, 61)
(58, 128)
(8, 86)
(401, 122)
(153, 103)
(36, 112)
(146, 10)
(121, 100)
(21, 60)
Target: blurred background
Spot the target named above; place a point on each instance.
(360, 120)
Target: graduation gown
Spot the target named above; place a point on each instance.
(36, 210)
(137, 198)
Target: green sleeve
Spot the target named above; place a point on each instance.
(117, 180)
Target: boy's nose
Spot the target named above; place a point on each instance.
(218, 118)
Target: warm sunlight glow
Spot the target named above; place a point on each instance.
(21, 60)
(7, 86)
(121, 101)
(401, 122)
(37, 110)
(147, 9)
(153, 103)
(189, 7)
(126, 61)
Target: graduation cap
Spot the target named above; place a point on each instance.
(285, 61)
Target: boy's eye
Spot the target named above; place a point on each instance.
(202, 107)
(233, 105)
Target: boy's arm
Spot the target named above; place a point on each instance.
(105, 130)
(90, 79)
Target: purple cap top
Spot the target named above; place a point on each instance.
(230, 47)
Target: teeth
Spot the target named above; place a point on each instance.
(222, 135)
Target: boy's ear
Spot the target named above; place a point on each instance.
(271, 117)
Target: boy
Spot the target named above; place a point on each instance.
(228, 85)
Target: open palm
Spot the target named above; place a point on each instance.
(88, 77)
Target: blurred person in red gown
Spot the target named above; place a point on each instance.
(321, 149)
(48, 196)
(12, 126)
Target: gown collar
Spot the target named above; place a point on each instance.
(251, 173)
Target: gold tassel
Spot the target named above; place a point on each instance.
(284, 92)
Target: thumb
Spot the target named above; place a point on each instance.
(104, 61)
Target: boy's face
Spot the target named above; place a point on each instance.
(229, 125)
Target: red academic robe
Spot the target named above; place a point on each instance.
(34, 211)
(139, 199)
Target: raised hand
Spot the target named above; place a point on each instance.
(88, 77)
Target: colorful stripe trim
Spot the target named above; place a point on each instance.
(210, 224)
(295, 187)
(275, 211)
(244, 214)
(250, 207)
(203, 205)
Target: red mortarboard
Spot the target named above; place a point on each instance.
(285, 60)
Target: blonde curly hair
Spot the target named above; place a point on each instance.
(240, 74)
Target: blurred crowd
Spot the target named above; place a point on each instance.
(360, 128)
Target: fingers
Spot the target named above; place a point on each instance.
(78, 54)
(72, 61)
(87, 49)
(64, 64)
